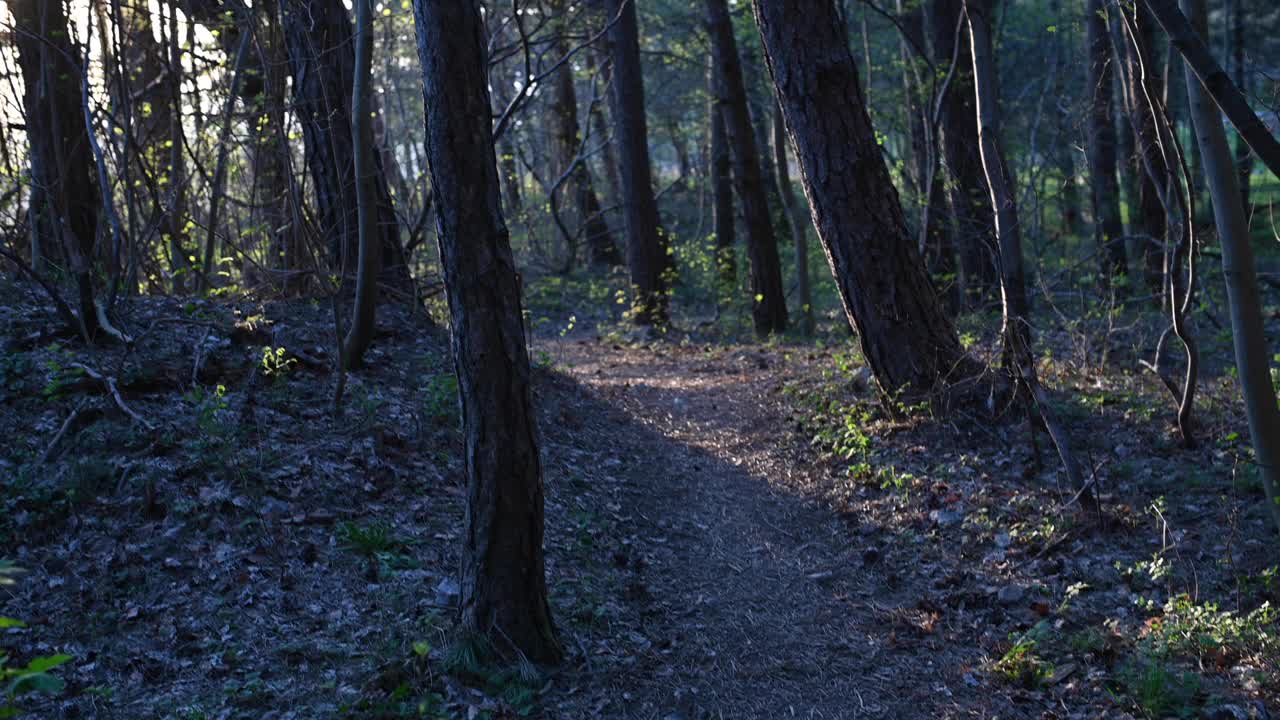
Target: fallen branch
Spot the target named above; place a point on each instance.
(76, 420)
(110, 384)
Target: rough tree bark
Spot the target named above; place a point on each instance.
(319, 38)
(1108, 229)
(504, 592)
(647, 254)
(62, 165)
(1239, 273)
(906, 338)
(769, 302)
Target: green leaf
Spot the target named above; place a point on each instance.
(8, 622)
(44, 664)
(422, 648)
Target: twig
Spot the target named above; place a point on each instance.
(78, 417)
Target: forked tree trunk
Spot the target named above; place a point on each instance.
(62, 162)
(905, 336)
(1108, 229)
(769, 302)
(1239, 273)
(646, 242)
(504, 591)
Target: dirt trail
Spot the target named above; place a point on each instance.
(753, 595)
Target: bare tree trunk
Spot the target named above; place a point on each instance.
(318, 36)
(970, 200)
(1239, 272)
(906, 338)
(1145, 86)
(1217, 83)
(1244, 158)
(769, 302)
(1108, 230)
(1013, 285)
(722, 196)
(360, 334)
(62, 164)
(504, 591)
(646, 242)
(568, 146)
(795, 221)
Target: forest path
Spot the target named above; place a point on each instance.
(752, 597)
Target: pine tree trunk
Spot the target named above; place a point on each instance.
(906, 338)
(646, 242)
(1145, 86)
(504, 591)
(769, 303)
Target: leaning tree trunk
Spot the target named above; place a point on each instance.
(1108, 229)
(769, 301)
(321, 49)
(970, 202)
(646, 241)
(62, 163)
(504, 591)
(1240, 274)
(905, 336)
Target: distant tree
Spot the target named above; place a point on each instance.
(906, 338)
(567, 134)
(769, 305)
(721, 177)
(1108, 229)
(360, 334)
(647, 254)
(796, 221)
(970, 202)
(504, 592)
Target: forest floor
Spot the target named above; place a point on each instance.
(733, 531)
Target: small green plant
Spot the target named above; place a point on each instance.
(440, 397)
(34, 677)
(1021, 664)
(1157, 690)
(276, 364)
(368, 540)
